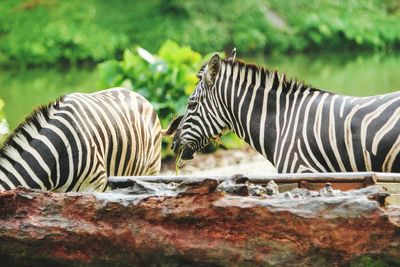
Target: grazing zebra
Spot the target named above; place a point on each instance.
(295, 126)
(77, 141)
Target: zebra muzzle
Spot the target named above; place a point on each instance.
(183, 151)
(187, 153)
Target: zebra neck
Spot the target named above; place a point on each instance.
(3, 177)
(249, 104)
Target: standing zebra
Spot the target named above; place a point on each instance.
(77, 141)
(295, 126)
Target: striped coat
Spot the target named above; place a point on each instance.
(295, 126)
(77, 141)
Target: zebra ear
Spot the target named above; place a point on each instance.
(173, 126)
(212, 69)
(232, 57)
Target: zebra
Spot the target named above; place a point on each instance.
(297, 127)
(75, 142)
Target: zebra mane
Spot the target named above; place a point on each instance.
(201, 71)
(32, 118)
(286, 82)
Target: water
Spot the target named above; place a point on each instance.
(23, 90)
(359, 75)
(356, 75)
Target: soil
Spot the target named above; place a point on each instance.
(222, 162)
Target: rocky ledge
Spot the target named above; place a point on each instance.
(206, 224)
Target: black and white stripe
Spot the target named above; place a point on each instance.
(297, 127)
(76, 142)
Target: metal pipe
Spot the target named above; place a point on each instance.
(339, 177)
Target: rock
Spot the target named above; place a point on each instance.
(187, 225)
(272, 188)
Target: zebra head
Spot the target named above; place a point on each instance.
(203, 120)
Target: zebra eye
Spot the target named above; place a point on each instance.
(192, 104)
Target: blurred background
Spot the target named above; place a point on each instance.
(53, 47)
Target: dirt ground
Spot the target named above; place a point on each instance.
(222, 162)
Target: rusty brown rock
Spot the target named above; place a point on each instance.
(202, 227)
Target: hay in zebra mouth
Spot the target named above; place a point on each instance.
(184, 153)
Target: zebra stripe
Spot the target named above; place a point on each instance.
(76, 142)
(297, 127)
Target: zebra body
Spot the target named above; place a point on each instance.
(295, 126)
(76, 142)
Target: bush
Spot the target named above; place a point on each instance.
(340, 25)
(46, 32)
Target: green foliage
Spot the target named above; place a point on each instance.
(52, 31)
(338, 25)
(44, 32)
(165, 79)
(3, 123)
(232, 141)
